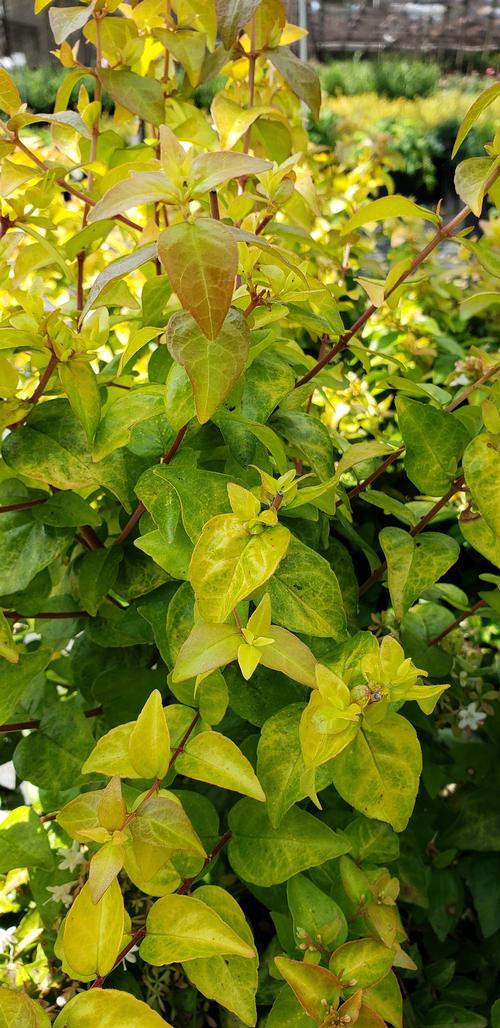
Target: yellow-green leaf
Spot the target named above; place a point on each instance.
(149, 742)
(378, 773)
(207, 647)
(388, 207)
(105, 865)
(201, 261)
(10, 100)
(8, 649)
(213, 365)
(183, 928)
(229, 980)
(316, 988)
(93, 931)
(482, 474)
(64, 21)
(17, 1010)
(480, 104)
(212, 757)
(108, 1008)
(110, 755)
(470, 181)
(228, 563)
(80, 385)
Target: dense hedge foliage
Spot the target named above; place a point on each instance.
(392, 77)
(249, 549)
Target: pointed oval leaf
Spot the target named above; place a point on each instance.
(214, 365)
(228, 563)
(108, 1008)
(378, 773)
(149, 742)
(207, 647)
(212, 757)
(93, 932)
(265, 855)
(388, 207)
(316, 988)
(229, 980)
(183, 928)
(201, 261)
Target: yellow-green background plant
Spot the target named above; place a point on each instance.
(241, 389)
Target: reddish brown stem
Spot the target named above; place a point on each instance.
(21, 726)
(90, 537)
(443, 232)
(495, 370)
(179, 748)
(214, 205)
(189, 882)
(25, 505)
(360, 488)
(55, 615)
(458, 621)
(139, 510)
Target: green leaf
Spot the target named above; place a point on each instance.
(470, 181)
(201, 261)
(364, 960)
(315, 913)
(300, 76)
(52, 756)
(124, 414)
(136, 93)
(287, 1012)
(229, 980)
(66, 510)
(199, 493)
(413, 564)
(228, 563)
(10, 100)
(479, 535)
(305, 594)
(480, 104)
(17, 1010)
(68, 20)
(211, 169)
(184, 928)
(163, 824)
(108, 1008)
(311, 440)
(15, 679)
(482, 475)
(311, 984)
(207, 647)
(97, 575)
(289, 655)
(378, 773)
(212, 757)
(232, 15)
(26, 548)
(435, 442)
(140, 187)
(117, 270)
(266, 856)
(214, 365)
(387, 207)
(280, 765)
(385, 999)
(24, 841)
